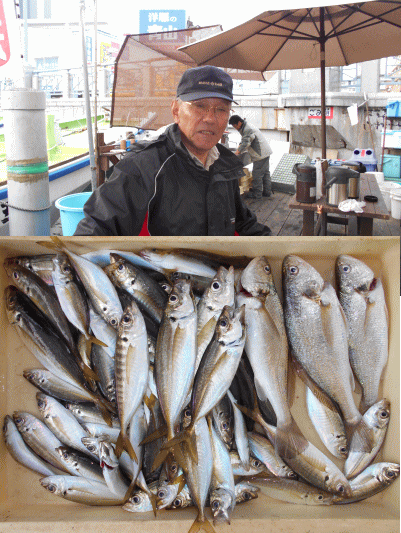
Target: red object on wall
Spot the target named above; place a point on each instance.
(4, 41)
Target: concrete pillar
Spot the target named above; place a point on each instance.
(27, 163)
(370, 76)
(103, 84)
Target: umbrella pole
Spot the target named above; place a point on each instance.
(323, 82)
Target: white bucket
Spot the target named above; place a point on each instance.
(386, 189)
(396, 204)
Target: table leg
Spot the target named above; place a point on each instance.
(308, 223)
(365, 226)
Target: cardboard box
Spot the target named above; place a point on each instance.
(26, 506)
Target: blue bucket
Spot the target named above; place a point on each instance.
(71, 211)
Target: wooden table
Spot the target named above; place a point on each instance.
(364, 221)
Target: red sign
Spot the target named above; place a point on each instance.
(4, 42)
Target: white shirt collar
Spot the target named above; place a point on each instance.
(212, 156)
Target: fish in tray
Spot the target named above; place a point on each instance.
(179, 401)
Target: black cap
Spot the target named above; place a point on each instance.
(205, 82)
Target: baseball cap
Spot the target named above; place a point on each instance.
(205, 82)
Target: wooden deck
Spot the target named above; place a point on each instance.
(283, 221)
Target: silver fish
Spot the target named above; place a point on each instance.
(140, 501)
(61, 422)
(262, 449)
(293, 491)
(267, 346)
(80, 465)
(90, 413)
(327, 422)
(167, 261)
(240, 432)
(41, 265)
(39, 438)
(102, 258)
(220, 292)
(182, 500)
(223, 419)
(377, 418)
(131, 371)
(255, 466)
(244, 492)
(112, 474)
(80, 490)
(175, 353)
(100, 290)
(222, 487)
(21, 452)
(371, 481)
(104, 366)
(317, 332)
(362, 298)
(146, 292)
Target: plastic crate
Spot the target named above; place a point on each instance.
(392, 166)
(392, 139)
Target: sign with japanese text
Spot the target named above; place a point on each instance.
(316, 112)
(157, 20)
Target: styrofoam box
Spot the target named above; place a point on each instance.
(26, 506)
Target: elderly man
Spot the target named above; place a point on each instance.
(183, 182)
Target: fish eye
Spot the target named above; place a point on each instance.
(173, 468)
(113, 321)
(320, 497)
(67, 269)
(390, 474)
(126, 319)
(327, 478)
(293, 270)
(384, 414)
(223, 322)
(52, 488)
(215, 285)
(161, 494)
(16, 275)
(91, 447)
(346, 268)
(18, 317)
(267, 269)
(120, 267)
(224, 425)
(173, 298)
(177, 502)
(343, 449)
(246, 496)
(257, 463)
(341, 488)
(215, 505)
(41, 404)
(136, 499)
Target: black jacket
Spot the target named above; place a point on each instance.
(160, 179)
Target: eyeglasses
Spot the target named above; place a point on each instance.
(201, 109)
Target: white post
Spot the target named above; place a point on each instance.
(27, 163)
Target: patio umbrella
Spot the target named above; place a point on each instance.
(330, 35)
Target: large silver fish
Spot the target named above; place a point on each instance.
(175, 353)
(80, 465)
(317, 332)
(146, 292)
(267, 346)
(377, 418)
(100, 290)
(219, 293)
(293, 491)
(21, 452)
(80, 490)
(131, 371)
(171, 261)
(362, 298)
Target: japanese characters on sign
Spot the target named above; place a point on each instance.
(157, 20)
(316, 112)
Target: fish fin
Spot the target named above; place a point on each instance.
(289, 441)
(181, 481)
(89, 374)
(150, 402)
(123, 443)
(94, 340)
(55, 244)
(105, 408)
(255, 415)
(362, 437)
(130, 490)
(201, 522)
(157, 434)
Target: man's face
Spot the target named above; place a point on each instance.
(202, 123)
(237, 126)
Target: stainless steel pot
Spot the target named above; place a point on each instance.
(337, 183)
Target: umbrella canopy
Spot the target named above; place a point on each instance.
(332, 35)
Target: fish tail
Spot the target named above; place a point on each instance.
(92, 339)
(123, 443)
(289, 440)
(150, 402)
(201, 522)
(157, 434)
(55, 244)
(181, 438)
(361, 436)
(159, 459)
(89, 374)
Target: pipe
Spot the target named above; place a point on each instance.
(27, 162)
(87, 100)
